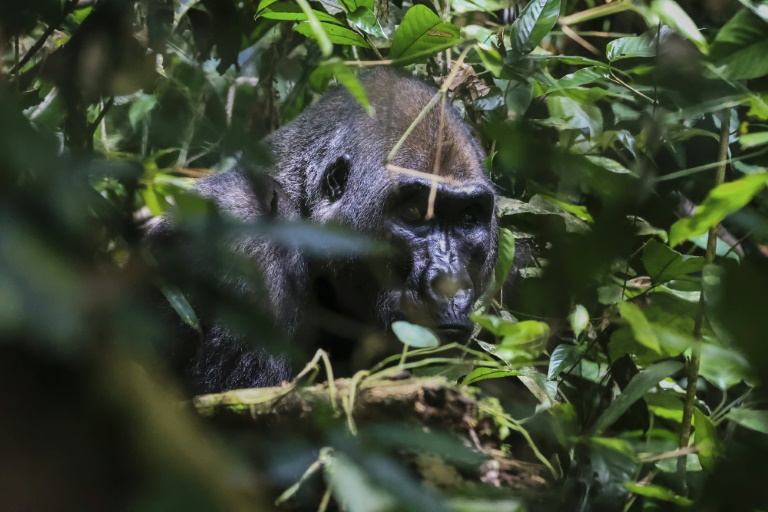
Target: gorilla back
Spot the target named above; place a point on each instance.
(330, 165)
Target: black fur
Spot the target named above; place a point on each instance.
(329, 166)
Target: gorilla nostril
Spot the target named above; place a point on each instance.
(446, 286)
(449, 287)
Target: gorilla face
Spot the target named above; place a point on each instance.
(441, 261)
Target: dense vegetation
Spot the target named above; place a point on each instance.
(628, 139)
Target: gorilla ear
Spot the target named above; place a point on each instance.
(336, 176)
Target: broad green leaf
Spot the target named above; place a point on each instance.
(665, 404)
(640, 326)
(580, 116)
(723, 367)
(645, 228)
(580, 212)
(673, 15)
(751, 140)
(334, 33)
(183, 308)
(534, 23)
(462, 6)
(141, 107)
(414, 335)
(526, 340)
(353, 5)
(420, 35)
(581, 77)
(491, 58)
(608, 164)
(722, 201)
(665, 264)
(745, 64)
(494, 324)
(572, 60)
(759, 7)
(479, 374)
(353, 488)
(579, 319)
(366, 20)
(750, 418)
(506, 256)
(739, 49)
(563, 357)
(706, 439)
(335, 67)
(637, 387)
(287, 11)
(657, 492)
(156, 203)
(640, 46)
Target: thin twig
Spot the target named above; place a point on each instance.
(368, 63)
(50, 29)
(418, 174)
(576, 37)
(694, 362)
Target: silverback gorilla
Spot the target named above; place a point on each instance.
(330, 166)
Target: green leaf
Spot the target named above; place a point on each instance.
(335, 67)
(581, 77)
(141, 107)
(722, 201)
(706, 439)
(637, 387)
(579, 319)
(353, 5)
(580, 116)
(723, 367)
(665, 264)
(673, 15)
(366, 20)
(479, 374)
(563, 357)
(640, 46)
(751, 140)
(314, 29)
(491, 59)
(640, 326)
(414, 335)
(657, 492)
(608, 164)
(420, 35)
(533, 24)
(750, 418)
(334, 33)
(285, 11)
(527, 340)
(740, 47)
(506, 256)
(494, 324)
(353, 487)
(181, 305)
(518, 339)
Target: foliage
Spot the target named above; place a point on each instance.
(605, 124)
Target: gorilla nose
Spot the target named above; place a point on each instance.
(450, 292)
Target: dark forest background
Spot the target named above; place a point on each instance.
(628, 138)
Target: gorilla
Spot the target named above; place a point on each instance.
(430, 203)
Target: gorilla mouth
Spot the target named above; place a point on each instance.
(454, 332)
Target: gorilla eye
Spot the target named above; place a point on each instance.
(469, 217)
(411, 214)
